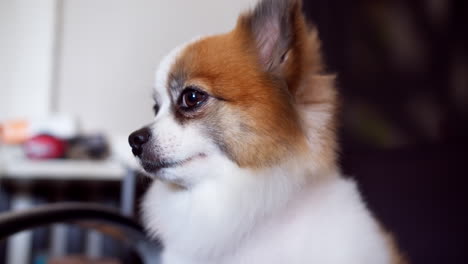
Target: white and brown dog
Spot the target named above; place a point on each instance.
(243, 152)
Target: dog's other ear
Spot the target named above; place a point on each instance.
(272, 26)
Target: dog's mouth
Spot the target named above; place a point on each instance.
(155, 166)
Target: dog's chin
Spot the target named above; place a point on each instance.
(159, 169)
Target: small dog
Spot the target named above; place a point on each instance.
(243, 152)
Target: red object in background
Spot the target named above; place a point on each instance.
(44, 147)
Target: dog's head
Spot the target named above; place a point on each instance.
(252, 98)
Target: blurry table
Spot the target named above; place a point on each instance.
(22, 173)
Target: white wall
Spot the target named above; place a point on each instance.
(26, 47)
(110, 49)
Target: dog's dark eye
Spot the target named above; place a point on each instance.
(191, 98)
(155, 109)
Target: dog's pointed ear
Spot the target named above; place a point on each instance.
(272, 26)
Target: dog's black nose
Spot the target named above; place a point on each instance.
(137, 139)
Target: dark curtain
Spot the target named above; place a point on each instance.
(402, 71)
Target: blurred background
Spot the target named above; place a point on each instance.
(76, 78)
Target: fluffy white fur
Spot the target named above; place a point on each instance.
(224, 218)
(224, 214)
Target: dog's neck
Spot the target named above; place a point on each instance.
(227, 207)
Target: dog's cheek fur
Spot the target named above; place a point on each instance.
(266, 133)
(239, 135)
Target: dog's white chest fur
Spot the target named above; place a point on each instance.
(327, 224)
